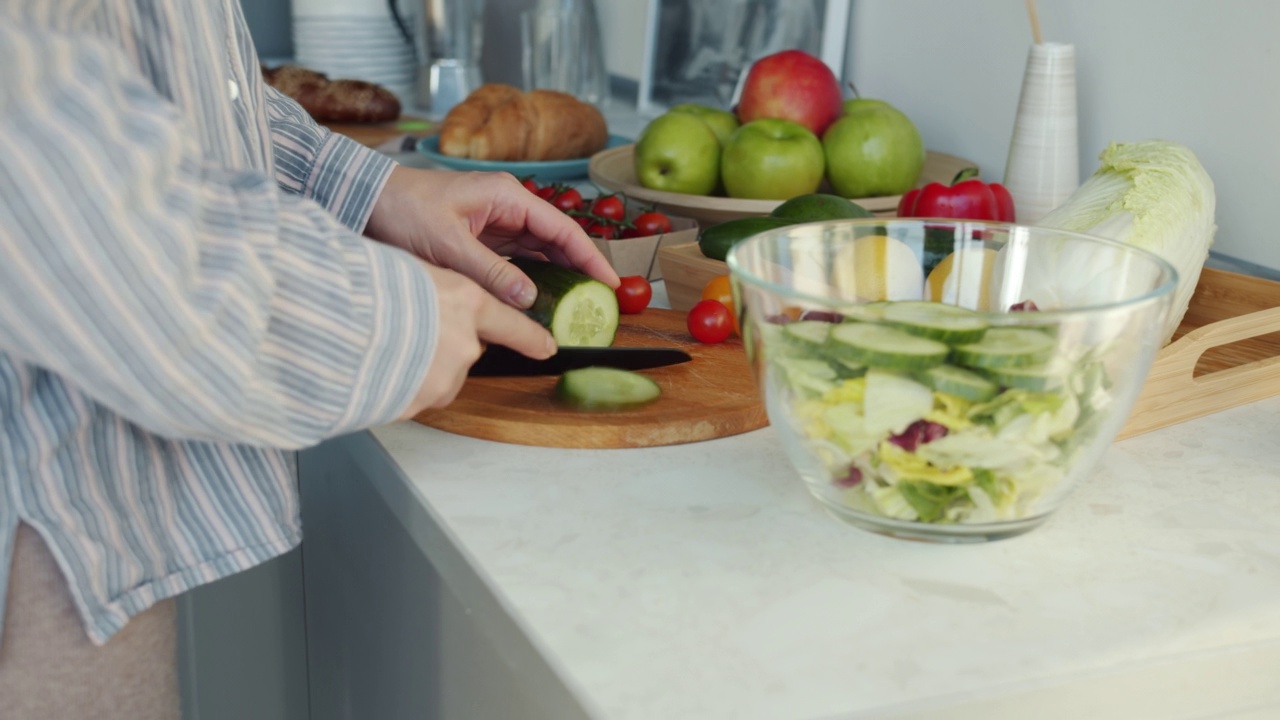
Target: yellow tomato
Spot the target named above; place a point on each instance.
(719, 289)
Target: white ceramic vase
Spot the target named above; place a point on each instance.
(1044, 159)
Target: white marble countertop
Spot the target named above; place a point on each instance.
(701, 581)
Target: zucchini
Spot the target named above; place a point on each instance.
(605, 389)
(579, 310)
(715, 241)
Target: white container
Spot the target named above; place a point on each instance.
(1044, 159)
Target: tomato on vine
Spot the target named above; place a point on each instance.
(652, 223)
(568, 200)
(609, 207)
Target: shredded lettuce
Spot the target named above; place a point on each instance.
(1154, 195)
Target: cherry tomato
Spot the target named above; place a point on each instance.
(568, 200)
(546, 192)
(602, 230)
(530, 184)
(709, 322)
(609, 207)
(652, 223)
(584, 221)
(634, 294)
(718, 289)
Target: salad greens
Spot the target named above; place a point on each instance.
(977, 436)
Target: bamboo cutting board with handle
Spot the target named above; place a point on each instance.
(713, 395)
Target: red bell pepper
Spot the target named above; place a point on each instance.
(966, 198)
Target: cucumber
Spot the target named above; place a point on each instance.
(950, 324)
(886, 347)
(606, 389)
(715, 241)
(1002, 348)
(959, 382)
(579, 310)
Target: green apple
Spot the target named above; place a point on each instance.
(771, 159)
(853, 105)
(722, 122)
(678, 152)
(873, 152)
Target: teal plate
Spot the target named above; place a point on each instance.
(548, 171)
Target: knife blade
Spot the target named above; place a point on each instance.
(501, 361)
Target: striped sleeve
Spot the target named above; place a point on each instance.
(332, 169)
(197, 302)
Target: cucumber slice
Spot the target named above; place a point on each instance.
(960, 382)
(1053, 375)
(579, 310)
(808, 333)
(885, 347)
(1002, 348)
(950, 324)
(604, 388)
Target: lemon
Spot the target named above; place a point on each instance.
(963, 278)
(878, 267)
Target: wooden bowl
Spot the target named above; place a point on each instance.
(614, 169)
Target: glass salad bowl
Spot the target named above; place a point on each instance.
(946, 380)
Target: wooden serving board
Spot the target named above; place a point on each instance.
(714, 395)
(1226, 352)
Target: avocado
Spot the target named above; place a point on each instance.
(819, 206)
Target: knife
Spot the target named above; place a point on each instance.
(501, 361)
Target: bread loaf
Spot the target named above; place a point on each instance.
(338, 101)
(500, 122)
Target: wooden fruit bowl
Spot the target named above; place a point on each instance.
(614, 169)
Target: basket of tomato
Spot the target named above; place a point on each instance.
(628, 233)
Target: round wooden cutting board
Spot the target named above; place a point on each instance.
(714, 395)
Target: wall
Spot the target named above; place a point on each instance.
(1199, 72)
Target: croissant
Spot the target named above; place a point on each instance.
(343, 101)
(500, 122)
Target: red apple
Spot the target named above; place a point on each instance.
(792, 85)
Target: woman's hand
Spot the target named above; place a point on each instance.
(467, 221)
(470, 317)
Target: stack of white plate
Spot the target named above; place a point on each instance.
(356, 39)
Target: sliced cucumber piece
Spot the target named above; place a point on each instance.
(1002, 348)
(950, 324)
(959, 382)
(1053, 375)
(579, 310)
(809, 333)
(846, 369)
(604, 388)
(885, 347)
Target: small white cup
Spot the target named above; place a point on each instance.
(1043, 168)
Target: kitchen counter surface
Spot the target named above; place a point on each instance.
(701, 581)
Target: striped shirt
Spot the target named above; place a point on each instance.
(185, 298)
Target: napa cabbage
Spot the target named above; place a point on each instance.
(1154, 195)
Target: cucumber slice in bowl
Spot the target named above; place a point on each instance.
(959, 382)
(885, 347)
(1002, 348)
(606, 389)
(950, 324)
(579, 310)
